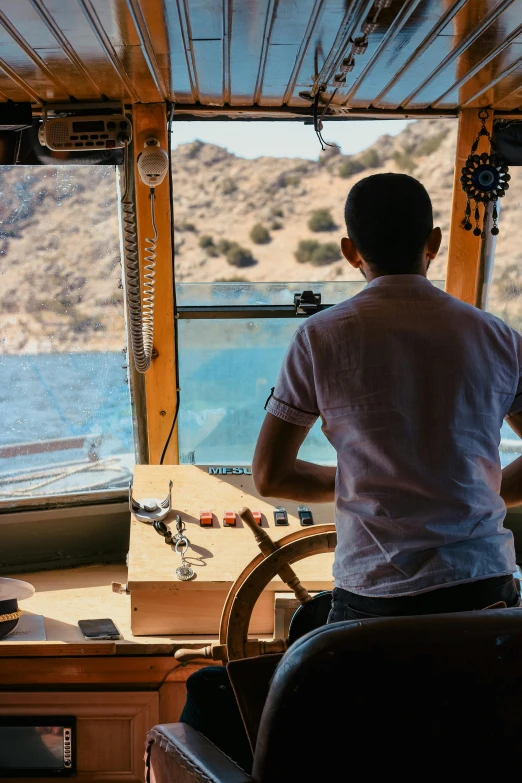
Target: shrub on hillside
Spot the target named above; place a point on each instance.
(194, 149)
(290, 179)
(283, 181)
(321, 220)
(317, 253)
(206, 240)
(430, 145)
(229, 186)
(404, 161)
(325, 254)
(259, 234)
(187, 227)
(354, 165)
(277, 212)
(370, 159)
(305, 250)
(276, 225)
(239, 256)
(349, 167)
(224, 246)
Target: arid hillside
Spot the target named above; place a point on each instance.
(267, 219)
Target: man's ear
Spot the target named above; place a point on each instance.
(351, 253)
(433, 243)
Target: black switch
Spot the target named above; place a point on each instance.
(280, 516)
(305, 516)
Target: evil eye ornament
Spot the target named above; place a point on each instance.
(484, 179)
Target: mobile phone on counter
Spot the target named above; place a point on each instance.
(99, 629)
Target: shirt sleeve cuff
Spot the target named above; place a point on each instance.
(290, 414)
(517, 408)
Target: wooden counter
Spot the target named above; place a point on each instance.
(117, 690)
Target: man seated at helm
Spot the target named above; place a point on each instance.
(412, 387)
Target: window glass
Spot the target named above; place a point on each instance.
(258, 218)
(505, 287)
(259, 202)
(64, 399)
(228, 367)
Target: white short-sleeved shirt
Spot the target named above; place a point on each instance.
(412, 386)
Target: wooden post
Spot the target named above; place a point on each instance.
(150, 120)
(465, 250)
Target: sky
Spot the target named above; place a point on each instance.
(284, 139)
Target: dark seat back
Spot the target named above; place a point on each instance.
(420, 696)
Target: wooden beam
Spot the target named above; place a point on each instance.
(150, 120)
(465, 250)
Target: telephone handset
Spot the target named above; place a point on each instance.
(153, 165)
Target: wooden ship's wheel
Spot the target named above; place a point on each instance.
(275, 559)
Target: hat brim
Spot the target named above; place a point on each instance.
(8, 627)
(15, 588)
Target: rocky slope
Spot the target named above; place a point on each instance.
(59, 239)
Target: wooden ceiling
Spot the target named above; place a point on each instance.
(423, 56)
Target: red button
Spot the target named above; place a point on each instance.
(205, 519)
(229, 518)
(257, 516)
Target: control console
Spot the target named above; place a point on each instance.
(180, 589)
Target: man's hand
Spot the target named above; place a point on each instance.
(278, 473)
(511, 487)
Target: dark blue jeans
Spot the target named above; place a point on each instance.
(458, 598)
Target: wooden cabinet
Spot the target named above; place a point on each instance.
(111, 727)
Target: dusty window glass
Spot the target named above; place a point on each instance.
(244, 216)
(64, 397)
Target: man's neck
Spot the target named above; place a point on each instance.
(373, 274)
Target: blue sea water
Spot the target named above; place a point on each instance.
(223, 391)
(60, 396)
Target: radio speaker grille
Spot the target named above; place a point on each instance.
(57, 132)
(154, 163)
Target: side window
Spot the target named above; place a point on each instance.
(504, 289)
(64, 400)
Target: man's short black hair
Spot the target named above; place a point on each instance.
(388, 218)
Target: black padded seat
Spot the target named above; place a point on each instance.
(434, 697)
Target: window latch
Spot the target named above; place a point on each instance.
(307, 303)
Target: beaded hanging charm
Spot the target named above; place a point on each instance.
(484, 179)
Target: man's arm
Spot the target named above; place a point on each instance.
(278, 473)
(511, 487)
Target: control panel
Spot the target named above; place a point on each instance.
(84, 127)
(181, 588)
(229, 518)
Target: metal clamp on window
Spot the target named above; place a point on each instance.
(307, 303)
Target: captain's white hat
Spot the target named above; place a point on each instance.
(12, 591)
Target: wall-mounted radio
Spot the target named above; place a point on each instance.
(37, 746)
(82, 127)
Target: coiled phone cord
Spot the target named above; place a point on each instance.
(141, 314)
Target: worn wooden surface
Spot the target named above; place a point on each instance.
(464, 253)
(218, 553)
(163, 604)
(65, 596)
